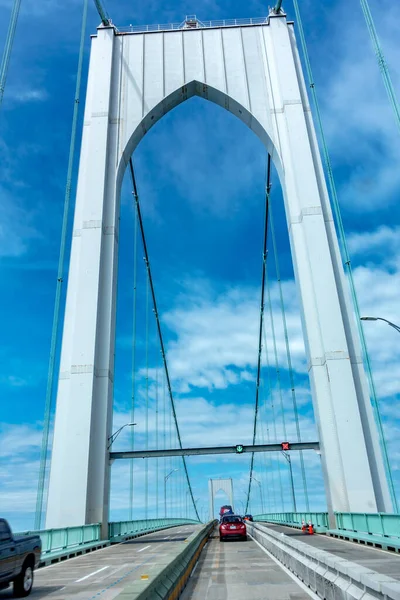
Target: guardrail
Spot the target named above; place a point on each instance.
(326, 574)
(195, 25)
(57, 540)
(382, 524)
(67, 542)
(118, 529)
(318, 519)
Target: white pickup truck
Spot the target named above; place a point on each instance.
(19, 555)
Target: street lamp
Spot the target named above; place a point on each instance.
(111, 439)
(166, 477)
(287, 456)
(396, 327)
(261, 495)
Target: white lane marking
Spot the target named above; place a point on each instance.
(168, 536)
(195, 567)
(287, 571)
(110, 547)
(90, 574)
(145, 548)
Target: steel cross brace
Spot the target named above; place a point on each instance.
(238, 449)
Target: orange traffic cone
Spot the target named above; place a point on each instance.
(303, 526)
(310, 528)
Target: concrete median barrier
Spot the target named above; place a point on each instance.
(326, 574)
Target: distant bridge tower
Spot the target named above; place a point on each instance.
(254, 72)
(215, 486)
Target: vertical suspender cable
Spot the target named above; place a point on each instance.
(263, 269)
(266, 458)
(387, 80)
(60, 274)
(5, 61)
(164, 429)
(289, 359)
(133, 364)
(160, 336)
(271, 395)
(146, 466)
(157, 442)
(346, 257)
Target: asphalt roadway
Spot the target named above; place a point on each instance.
(237, 570)
(382, 561)
(103, 574)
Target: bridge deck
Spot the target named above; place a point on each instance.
(382, 561)
(105, 573)
(236, 570)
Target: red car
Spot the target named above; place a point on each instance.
(232, 526)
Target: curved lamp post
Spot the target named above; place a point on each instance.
(396, 327)
(261, 494)
(287, 456)
(111, 439)
(166, 477)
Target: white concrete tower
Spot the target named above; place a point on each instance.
(215, 486)
(254, 72)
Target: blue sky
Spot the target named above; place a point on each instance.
(201, 179)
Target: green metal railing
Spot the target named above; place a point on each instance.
(382, 524)
(318, 519)
(125, 528)
(57, 540)
(377, 524)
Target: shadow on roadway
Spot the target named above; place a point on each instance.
(38, 591)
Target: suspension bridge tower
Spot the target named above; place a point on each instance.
(253, 70)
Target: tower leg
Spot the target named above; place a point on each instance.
(79, 476)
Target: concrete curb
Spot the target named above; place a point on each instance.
(168, 578)
(329, 576)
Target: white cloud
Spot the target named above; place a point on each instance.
(215, 335)
(16, 228)
(25, 95)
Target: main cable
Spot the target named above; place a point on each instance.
(262, 303)
(106, 21)
(5, 61)
(346, 259)
(387, 80)
(160, 336)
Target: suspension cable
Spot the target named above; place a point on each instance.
(60, 276)
(270, 391)
(106, 21)
(160, 336)
(267, 459)
(347, 262)
(288, 356)
(264, 262)
(157, 441)
(5, 61)
(387, 80)
(134, 327)
(146, 465)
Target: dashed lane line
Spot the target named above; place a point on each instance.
(91, 574)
